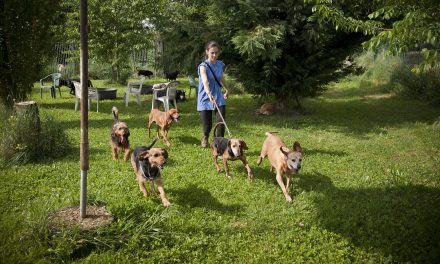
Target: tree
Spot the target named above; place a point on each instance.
(399, 25)
(24, 45)
(117, 28)
(272, 46)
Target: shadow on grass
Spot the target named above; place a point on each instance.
(189, 140)
(194, 196)
(401, 221)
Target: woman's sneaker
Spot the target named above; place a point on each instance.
(204, 142)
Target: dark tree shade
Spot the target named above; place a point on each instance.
(25, 41)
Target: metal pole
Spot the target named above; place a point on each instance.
(84, 145)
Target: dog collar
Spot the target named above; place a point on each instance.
(147, 175)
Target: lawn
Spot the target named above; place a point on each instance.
(368, 192)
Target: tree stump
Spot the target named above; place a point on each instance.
(29, 111)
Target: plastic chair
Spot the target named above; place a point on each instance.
(93, 94)
(55, 78)
(136, 89)
(192, 84)
(170, 90)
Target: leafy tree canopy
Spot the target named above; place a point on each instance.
(24, 45)
(274, 47)
(399, 25)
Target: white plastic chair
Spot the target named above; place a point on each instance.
(170, 94)
(192, 84)
(93, 94)
(136, 89)
(55, 79)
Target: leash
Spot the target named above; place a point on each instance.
(215, 103)
(220, 113)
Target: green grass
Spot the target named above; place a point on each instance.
(369, 190)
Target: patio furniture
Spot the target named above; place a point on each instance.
(93, 94)
(55, 83)
(165, 93)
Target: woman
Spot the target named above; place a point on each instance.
(210, 91)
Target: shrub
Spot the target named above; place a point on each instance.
(21, 143)
(394, 73)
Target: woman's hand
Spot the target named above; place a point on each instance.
(225, 95)
(211, 98)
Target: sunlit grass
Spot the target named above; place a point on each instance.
(368, 191)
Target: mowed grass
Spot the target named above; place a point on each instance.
(369, 189)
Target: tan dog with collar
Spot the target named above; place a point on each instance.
(229, 149)
(284, 160)
(164, 120)
(147, 163)
(119, 134)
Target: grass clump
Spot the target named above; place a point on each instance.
(26, 139)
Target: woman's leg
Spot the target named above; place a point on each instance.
(221, 128)
(206, 117)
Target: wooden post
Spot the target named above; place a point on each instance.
(84, 145)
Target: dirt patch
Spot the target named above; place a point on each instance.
(69, 217)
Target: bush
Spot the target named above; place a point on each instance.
(21, 143)
(394, 74)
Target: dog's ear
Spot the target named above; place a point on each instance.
(165, 153)
(144, 155)
(297, 147)
(243, 145)
(286, 153)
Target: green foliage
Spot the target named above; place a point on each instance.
(270, 46)
(22, 143)
(400, 25)
(117, 29)
(24, 44)
(393, 73)
(261, 43)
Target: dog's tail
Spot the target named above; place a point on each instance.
(115, 113)
(271, 133)
(215, 128)
(152, 144)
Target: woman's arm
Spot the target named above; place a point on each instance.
(225, 86)
(206, 83)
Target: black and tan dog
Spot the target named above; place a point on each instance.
(147, 162)
(284, 160)
(119, 134)
(229, 149)
(164, 120)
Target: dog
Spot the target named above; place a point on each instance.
(147, 163)
(146, 73)
(266, 109)
(164, 120)
(119, 134)
(229, 149)
(284, 160)
(180, 96)
(172, 76)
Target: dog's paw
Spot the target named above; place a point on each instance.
(166, 203)
(288, 199)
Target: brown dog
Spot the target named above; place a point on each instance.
(266, 109)
(147, 163)
(284, 161)
(119, 134)
(229, 149)
(164, 120)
